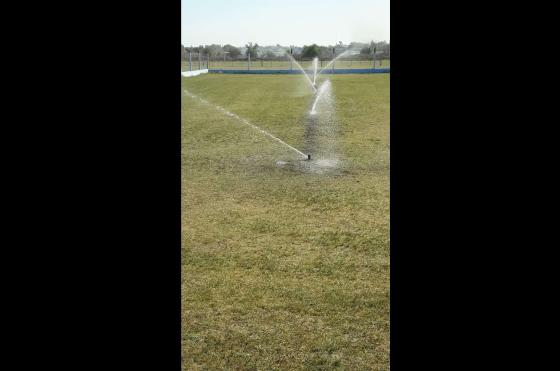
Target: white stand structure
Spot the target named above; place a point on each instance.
(194, 73)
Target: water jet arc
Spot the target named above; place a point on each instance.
(320, 93)
(304, 73)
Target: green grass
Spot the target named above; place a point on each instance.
(284, 269)
(282, 65)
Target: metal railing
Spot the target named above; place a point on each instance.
(201, 61)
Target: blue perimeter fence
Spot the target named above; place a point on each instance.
(296, 72)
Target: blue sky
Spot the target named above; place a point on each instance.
(286, 22)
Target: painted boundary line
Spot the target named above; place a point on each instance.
(244, 121)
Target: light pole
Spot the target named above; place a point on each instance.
(291, 57)
(225, 58)
(374, 49)
(190, 60)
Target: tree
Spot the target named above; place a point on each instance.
(270, 55)
(310, 51)
(356, 45)
(366, 51)
(384, 48)
(213, 51)
(325, 52)
(252, 50)
(233, 52)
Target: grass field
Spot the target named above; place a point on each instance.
(281, 65)
(284, 269)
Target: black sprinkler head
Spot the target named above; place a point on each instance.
(309, 157)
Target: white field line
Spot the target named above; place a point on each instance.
(244, 121)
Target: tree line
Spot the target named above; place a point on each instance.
(356, 50)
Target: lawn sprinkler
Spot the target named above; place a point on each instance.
(309, 157)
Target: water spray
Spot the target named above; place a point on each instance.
(320, 92)
(292, 60)
(315, 62)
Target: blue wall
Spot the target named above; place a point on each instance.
(296, 72)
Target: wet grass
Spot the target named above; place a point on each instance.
(284, 269)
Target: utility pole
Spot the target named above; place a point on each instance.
(225, 52)
(292, 58)
(333, 56)
(190, 60)
(374, 49)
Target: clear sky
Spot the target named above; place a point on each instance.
(284, 22)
